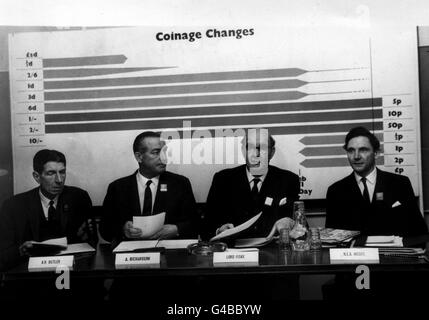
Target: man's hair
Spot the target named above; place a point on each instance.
(362, 132)
(142, 136)
(271, 141)
(46, 155)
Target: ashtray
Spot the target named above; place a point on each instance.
(206, 248)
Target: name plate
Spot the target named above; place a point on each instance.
(137, 260)
(350, 255)
(50, 263)
(236, 258)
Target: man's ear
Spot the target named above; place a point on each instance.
(138, 156)
(271, 154)
(376, 154)
(36, 176)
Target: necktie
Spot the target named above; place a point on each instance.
(51, 211)
(147, 204)
(365, 191)
(255, 190)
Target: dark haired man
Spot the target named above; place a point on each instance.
(148, 191)
(239, 193)
(52, 210)
(370, 200)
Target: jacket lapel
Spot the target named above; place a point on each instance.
(379, 185)
(160, 197)
(63, 209)
(35, 212)
(355, 191)
(267, 185)
(133, 192)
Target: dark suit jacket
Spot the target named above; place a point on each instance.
(20, 220)
(122, 203)
(230, 200)
(346, 208)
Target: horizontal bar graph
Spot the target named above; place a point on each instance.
(74, 90)
(176, 78)
(84, 61)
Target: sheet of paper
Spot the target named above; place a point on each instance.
(56, 242)
(125, 246)
(77, 248)
(256, 242)
(242, 250)
(252, 242)
(177, 244)
(149, 224)
(379, 239)
(384, 241)
(237, 229)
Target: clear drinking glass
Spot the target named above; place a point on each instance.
(300, 234)
(315, 241)
(284, 240)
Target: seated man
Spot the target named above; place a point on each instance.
(150, 190)
(51, 210)
(370, 200)
(239, 193)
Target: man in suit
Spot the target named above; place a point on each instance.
(239, 193)
(148, 191)
(51, 210)
(370, 200)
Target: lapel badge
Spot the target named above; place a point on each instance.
(163, 187)
(379, 196)
(268, 201)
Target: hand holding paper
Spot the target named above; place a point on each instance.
(149, 225)
(130, 232)
(259, 242)
(167, 231)
(237, 229)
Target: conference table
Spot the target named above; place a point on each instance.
(276, 275)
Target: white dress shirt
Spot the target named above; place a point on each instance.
(371, 179)
(45, 203)
(250, 177)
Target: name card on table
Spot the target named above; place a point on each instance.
(236, 258)
(352, 255)
(50, 263)
(137, 260)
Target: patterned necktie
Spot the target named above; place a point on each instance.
(147, 204)
(365, 191)
(51, 211)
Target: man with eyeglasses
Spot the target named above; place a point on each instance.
(239, 193)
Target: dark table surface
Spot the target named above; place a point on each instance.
(272, 260)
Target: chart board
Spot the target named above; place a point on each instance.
(88, 94)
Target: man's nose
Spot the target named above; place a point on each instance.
(356, 155)
(59, 178)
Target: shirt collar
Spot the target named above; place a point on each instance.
(250, 177)
(45, 201)
(143, 180)
(371, 178)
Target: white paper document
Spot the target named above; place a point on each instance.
(237, 229)
(256, 242)
(126, 246)
(384, 241)
(77, 248)
(60, 242)
(149, 224)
